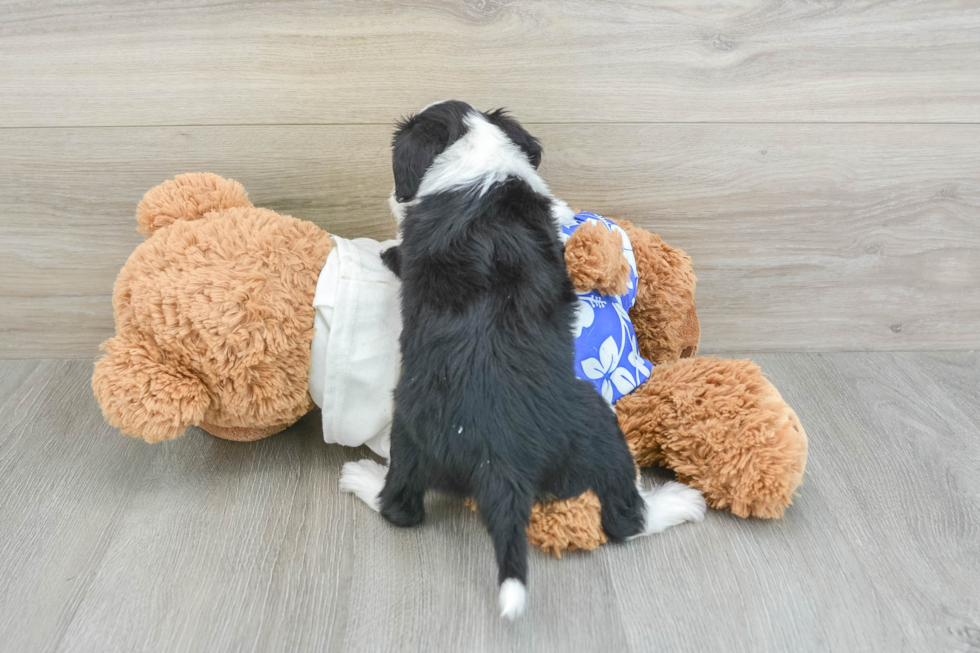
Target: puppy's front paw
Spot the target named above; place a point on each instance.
(364, 479)
(670, 504)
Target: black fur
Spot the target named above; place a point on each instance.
(417, 142)
(488, 404)
(392, 259)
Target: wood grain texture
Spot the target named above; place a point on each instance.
(127, 62)
(804, 237)
(110, 544)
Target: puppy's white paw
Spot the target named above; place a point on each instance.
(513, 599)
(670, 504)
(364, 479)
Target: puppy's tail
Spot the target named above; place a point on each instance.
(506, 510)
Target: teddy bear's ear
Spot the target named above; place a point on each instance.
(187, 197)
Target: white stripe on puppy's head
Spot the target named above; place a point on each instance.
(450, 145)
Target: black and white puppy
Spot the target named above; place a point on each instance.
(488, 404)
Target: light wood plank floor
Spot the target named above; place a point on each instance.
(110, 544)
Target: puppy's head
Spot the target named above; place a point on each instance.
(421, 138)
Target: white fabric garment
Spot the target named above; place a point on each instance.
(355, 359)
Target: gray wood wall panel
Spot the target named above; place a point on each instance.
(109, 544)
(127, 62)
(818, 161)
(804, 237)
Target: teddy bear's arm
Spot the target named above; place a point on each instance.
(595, 261)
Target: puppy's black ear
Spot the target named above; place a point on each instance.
(520, 136)
(416, 144)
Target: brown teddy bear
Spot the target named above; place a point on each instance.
(239, 320)
(719, 424)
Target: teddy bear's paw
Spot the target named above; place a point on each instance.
(364, 479)
(669, 505)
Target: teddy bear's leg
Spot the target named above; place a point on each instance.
(723, 428)
(187, 197)
(144, 396)
(567, 525)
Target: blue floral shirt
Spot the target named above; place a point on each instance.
(606, 353)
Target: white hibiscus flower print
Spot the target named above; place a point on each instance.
(584, 316)
(607, 368)
(628, 253)
(638, 362)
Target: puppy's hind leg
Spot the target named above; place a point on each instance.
(396, 491)
(505, 507)
(402, 499)
(364, 479)
(670, 504)
(628, 509)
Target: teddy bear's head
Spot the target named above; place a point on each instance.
(214, 316)
(665, 314)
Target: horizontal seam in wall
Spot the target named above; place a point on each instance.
(526, 122)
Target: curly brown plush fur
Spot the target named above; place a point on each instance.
(567, 525)
(595, 261)
(723, 428)
(214, 316)
(664, 315)
(188, 197)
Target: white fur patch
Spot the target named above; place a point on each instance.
(483, 157)
(364, 479)
(513, 599)
(562, 214)
(398, 208)
(668, 505)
